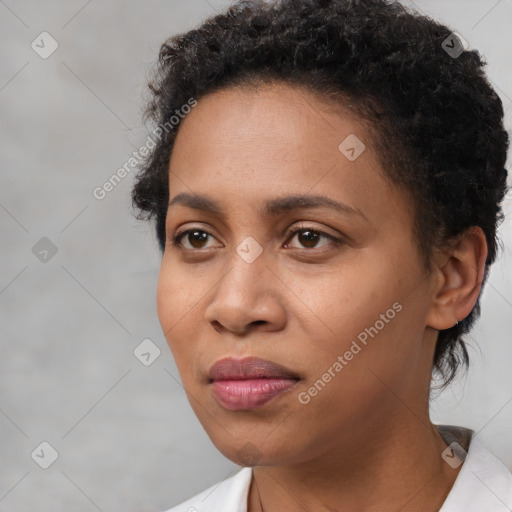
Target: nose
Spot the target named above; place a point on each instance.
(247, 298)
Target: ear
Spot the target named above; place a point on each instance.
(460, 270)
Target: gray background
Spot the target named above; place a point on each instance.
(126, 437)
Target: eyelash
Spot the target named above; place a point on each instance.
(289, 234)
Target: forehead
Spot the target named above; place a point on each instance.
(249, 144)
(274, 122)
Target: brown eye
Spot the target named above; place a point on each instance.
(195, 237)
(309, 238)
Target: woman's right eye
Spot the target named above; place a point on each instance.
(195, 237)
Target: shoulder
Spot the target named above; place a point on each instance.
(229, 495)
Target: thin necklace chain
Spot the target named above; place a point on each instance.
(261, 504)
(259, 496)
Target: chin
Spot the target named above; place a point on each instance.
(251, 450)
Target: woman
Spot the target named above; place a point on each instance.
(326, 189)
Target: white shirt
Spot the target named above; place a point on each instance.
(483, 484)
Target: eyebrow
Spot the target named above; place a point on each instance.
(271, 208)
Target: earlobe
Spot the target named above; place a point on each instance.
(460, 270)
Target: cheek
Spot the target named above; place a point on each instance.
(365, 303)
(348, 299)
(165, 300)
(177, 303)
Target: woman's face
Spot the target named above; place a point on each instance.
(342, 305)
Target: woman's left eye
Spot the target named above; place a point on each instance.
(309, 237)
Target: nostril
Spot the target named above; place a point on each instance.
(216, 326)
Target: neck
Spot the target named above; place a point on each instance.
(394, 468)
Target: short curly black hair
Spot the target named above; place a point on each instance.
(437, 122)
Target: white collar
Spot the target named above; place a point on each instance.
(483, 484)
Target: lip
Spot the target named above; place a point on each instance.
(249, 382)
(231, 368)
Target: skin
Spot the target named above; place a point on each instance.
(366, 440)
